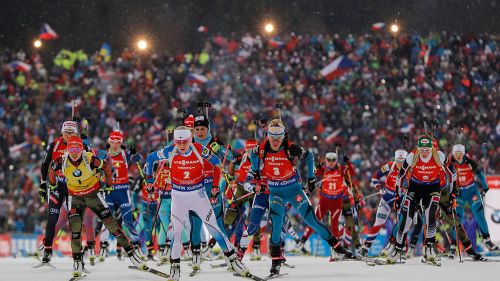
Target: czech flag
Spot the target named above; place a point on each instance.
(378, 26)
(142, 117)
(275, 42)
(15, 150)
(21, 66)
(336, 68)
(333, 136)
(47, 33)
(195, 78)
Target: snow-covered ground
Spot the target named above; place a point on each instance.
(307, 268)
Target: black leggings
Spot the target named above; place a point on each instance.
(429, 195)
(57, 197)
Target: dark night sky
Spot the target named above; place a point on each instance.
(172, 24)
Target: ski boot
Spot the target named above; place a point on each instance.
(236, 264)
(138, 249)
(241, 253)
(340, 251)
(300, 248)
(119, 253)
(175, 270)
(206, 251)
(47, 255)
(165, 254)
(388, 248)
(78, 265)
(91, 252)
(161, 255)
(364, 251)
(453, 251)
(103, 250)
(256, 256)
(430, 254)
(334, 256)
(196, 261)
(228, 263)
(403, 254)
(275, 267)
(39, 252)
(473, 254)
(150, 256)
(395, 253)
(411, 251)
(490, 245)
(187, 255)
(135, 258)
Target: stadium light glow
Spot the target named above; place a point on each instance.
(269, 27)
(142, 44)
(37, 43)
(394, 28)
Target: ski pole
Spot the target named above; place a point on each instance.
(158, 172)
(453, 212)
(279, 106)
(380, 192)
(235, 118)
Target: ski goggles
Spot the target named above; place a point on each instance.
(276, 133)
(74, 149)
(331, 157)
(67, 132)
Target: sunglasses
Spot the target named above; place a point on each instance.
(74, 149)
(181, 141)
(331, 159)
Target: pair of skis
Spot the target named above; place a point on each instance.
(256, 278)
(147, 269)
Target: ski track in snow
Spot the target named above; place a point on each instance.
(307, 268)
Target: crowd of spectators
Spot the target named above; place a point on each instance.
(396, 83)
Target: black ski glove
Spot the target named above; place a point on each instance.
(346, 158)
(42, 191)
(311, 184)
(133, 150)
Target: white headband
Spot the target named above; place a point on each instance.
(458, 148)
(400, 154)
(69, 126)
(182, 134)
